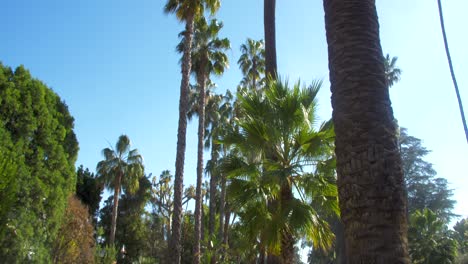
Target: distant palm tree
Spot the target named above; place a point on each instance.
(392, 72)
(252, 62)
(186, 11)
(274, 146)
(452, 72)
(208, 58)
(370, 175)
(121, 168)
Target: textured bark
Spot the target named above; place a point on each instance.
(340, 249)
(118, 182)
(175, 246)
(270, 37)
(370, 176)
(287, 239)
(272, 259)
(201, 135)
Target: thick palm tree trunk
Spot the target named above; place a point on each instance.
(176, 248)
(115, 208)
(269, 8)
(370, 176)
(198, 196)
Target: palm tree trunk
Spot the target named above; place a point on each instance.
(221, 207)
(269, 8)
(370, 175)
(287, 239)
(115, 207)
(176, 248)
(213, 189)
(452, 73)
(226, 225)
(201, 136)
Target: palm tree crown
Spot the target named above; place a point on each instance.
(392, 72)
(252, 62)
(274, 147)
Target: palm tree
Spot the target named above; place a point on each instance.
(186, 11)
(208, 57)
(452, 72)
(429, 239)
(252, 62)
(269, 183)
(370, 176)
(392, 72)
(269, 8)
(121, 168)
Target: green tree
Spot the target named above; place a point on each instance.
(461, 235)
(273, 147)
(429, 240)
(252, 62)
(89, 190)
(424, 189)
(121, 168)
(186, 11)
(39, 129)
(372, 196)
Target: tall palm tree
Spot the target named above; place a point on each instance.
(276, 144)
(370, 175)
(252, 62)
(269, 9)
(392, 72)
(186, 11)
(208, 58)
(121, 168)
(452, 72)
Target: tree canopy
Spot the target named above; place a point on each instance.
(36, 126)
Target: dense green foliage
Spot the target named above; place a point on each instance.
(88, 190)
(277, 150)
(36, 126)
(429, 239)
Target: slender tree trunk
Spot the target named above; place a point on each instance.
(115, 209)
(221, 207)
(226, 225)
(287, 238)
(270, 38)
(201, 135)
(370, 175)
(452, 72)
(176, 248)
(254, 70)
(261, 255)
(213, 190)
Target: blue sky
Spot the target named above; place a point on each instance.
(115, 65)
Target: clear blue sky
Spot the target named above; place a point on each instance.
(115, 65)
